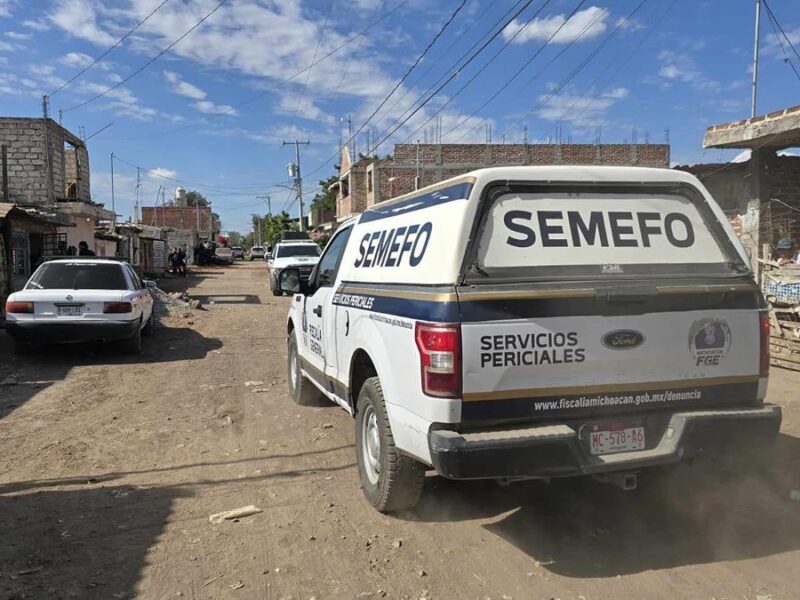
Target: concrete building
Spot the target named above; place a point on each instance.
(760, 194)
(373, 180)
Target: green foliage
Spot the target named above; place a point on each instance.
(235, 238)
(327, 198)
(194, 198)
(271, 227)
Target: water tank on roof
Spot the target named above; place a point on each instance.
(180, 196)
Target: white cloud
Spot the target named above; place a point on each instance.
(679, 67)
(6, 47)
(209, 108)
(79, 18)
(161, 173)
(581, 110)
(584, 24)
(303, 106)
(773, 42)
(36, 25)
(45, 75)
(76, 59)
(5, 8)
(628, 24)
(15, 35)
(184, 88)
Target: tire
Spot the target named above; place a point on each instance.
(302, 391)
(133, 345)
(391, 481)
(273, 287)
(150, 327)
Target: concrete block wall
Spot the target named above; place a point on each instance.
(28, 179)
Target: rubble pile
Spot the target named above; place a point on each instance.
(175, 303)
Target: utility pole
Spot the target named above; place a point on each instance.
(298, 179)
(755, 59)
(113, 201)
(138, 187)
(48, 163)
(269, 203)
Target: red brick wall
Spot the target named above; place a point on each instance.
(179, 217)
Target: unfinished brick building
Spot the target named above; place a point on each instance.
(183, 217)
(37, 177)
(371, 180)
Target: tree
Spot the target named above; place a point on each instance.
(195, 198)
(235, 238)
(271, 227)
(326, 200)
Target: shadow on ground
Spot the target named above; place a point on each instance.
(581, 528)
(25, 376)
(79, 544)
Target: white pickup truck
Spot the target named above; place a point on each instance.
(535, 322)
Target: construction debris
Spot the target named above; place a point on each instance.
(236, 513)
(781, 286)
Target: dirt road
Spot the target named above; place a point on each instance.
(111, 466)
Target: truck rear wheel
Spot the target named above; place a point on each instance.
(302, 391)
(391, 481)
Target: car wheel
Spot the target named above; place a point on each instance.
(391, 481)
(133, 345)
(151, 324)
(302, 391)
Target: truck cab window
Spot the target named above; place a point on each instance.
(329, 263)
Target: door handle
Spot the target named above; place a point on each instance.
(318, 311)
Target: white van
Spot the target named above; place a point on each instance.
(534, 322)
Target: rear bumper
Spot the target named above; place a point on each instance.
(558, 451)
(38, 332)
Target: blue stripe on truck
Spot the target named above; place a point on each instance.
(460, 191)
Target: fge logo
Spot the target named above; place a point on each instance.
(709, 341)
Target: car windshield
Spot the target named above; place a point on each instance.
(78, 276)
(298, 250)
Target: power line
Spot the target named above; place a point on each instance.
(456, 69)
(212, 188)
(628, 54)
(107, 52)
(149, 62)
(475, 75)
(408, 71)
(520, 70)
(775, 27)
(282, 82)
(314, 57)
(777, 23)
(580, 67)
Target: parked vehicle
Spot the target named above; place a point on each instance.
(223, 256)
(257, 252)
(535, 322)
(301, 254)
(81, 300)
(237, 253)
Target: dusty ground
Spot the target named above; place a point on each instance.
(111, 466)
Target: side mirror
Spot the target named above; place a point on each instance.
(289, 281)
(149, 284)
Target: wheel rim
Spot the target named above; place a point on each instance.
(371, 445)
(294, 368)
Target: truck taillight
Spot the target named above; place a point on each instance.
(19, 307)
(439, 348)
(116, 308)
(763, 328)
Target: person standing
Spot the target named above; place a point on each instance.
(83, 250)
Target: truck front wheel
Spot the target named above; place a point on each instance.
(391, 481)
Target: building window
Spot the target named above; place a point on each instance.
(346, 186)
(370, 180)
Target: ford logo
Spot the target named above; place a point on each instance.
(623, 339)
(69, 298)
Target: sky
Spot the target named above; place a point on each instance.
(211, 112)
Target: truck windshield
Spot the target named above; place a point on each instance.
(78, 276)
(298, 250)
(578, 232)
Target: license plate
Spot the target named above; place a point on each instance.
(68, 311)
(610, 441)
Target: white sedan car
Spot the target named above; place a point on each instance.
(81, 300)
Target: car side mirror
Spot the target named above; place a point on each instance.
(269, 255)
(289, 282)
(149, 284)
